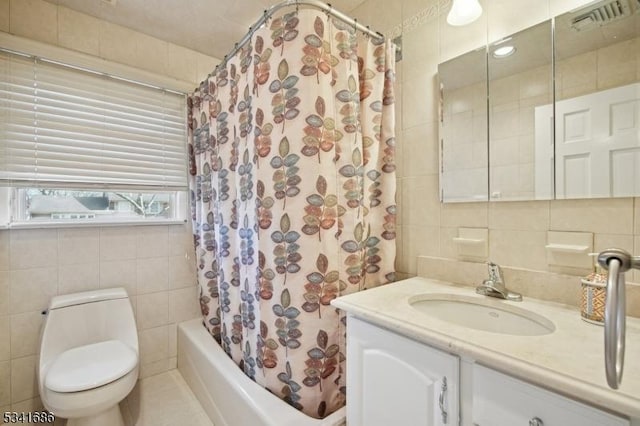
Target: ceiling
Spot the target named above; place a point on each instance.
(211, 27)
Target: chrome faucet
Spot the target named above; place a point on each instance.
(494, 286)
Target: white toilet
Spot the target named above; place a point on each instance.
(88, 357)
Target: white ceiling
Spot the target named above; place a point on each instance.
(211, 27)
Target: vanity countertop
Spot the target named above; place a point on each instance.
(569, 361)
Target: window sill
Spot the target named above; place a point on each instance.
(90, 223)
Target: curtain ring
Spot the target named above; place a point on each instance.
(297, 7)
(355, 26)
(328, 11)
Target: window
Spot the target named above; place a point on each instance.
(56, 204)
(83, 147)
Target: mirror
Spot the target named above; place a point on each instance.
(597, 126)
(585, 66)
(463, 128)
(520, 75)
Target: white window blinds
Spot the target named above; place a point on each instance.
(65, 127)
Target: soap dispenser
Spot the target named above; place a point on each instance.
(594, 294)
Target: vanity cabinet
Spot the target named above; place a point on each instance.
(501, 400)
(393, 380)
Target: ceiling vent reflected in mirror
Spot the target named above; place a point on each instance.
(603, 13)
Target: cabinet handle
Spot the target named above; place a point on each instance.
(443, 391)
(536, 421)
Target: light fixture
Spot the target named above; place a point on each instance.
(464, 12)
(503, 52)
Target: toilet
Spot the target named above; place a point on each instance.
(88, 356)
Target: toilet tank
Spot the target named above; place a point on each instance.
(88, 317)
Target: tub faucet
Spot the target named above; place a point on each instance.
(494, 286)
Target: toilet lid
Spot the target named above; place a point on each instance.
(90, 366)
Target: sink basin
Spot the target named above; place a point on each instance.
(482, 314)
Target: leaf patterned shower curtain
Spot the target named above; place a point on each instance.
(292, 183)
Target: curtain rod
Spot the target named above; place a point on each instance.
(268, 13)
(89, 70)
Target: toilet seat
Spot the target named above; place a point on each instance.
(90, 366)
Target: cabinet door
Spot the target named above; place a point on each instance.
(393, 380)
(501, 400)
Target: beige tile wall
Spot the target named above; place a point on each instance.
(517, 230)
(59, 26)
(155, 264)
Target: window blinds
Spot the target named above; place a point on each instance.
(65, 127)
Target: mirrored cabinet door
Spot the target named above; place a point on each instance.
(463, 128)
(597, 151)
(550, 112)
(520, 74)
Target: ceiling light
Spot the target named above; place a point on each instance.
(464, 12)
(504, 51)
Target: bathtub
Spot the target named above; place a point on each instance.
(228, 396)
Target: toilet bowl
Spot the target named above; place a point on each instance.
(88, 357)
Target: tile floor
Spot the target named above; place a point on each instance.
(163, 400)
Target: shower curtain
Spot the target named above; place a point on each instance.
(292, 180)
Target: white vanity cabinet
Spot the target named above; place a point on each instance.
(393, 380)
(501, 400)
(398, 358)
